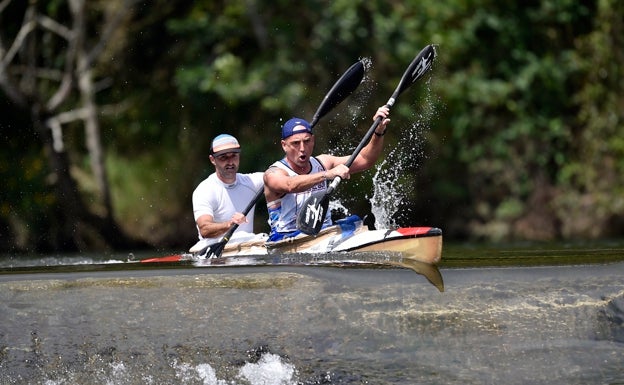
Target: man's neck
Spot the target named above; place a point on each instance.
(226, 180)
(300, 170)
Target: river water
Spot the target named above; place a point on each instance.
(506, 316)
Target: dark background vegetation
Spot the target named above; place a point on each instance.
(518, 130)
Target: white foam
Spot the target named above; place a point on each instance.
(269, 370)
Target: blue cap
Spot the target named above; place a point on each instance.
(295, 126)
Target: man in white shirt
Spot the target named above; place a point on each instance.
(219, 199)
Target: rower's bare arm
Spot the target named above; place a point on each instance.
(208, 228)
(335, 166)
(280, 183)
(370, 153)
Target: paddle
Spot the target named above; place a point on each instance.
(343, 87)
(311, 217)
(214, 250)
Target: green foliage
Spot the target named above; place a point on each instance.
(27, 200)
(514, 118)
(524, 141)
(592, 181)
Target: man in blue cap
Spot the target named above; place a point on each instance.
(290, 181)
(219, 199)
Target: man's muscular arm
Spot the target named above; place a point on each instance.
(208, 228)
(280, 183)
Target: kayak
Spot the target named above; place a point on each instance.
(348, 235)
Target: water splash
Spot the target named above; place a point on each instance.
(338, 209)
(269, 370)
(390, 187)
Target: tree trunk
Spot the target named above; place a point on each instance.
(93, 141)
(70, 205)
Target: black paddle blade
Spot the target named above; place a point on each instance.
(347, 83)
(213, 251)
(422, 62)
(311, 218)
(417, 68)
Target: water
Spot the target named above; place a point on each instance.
(516, 315)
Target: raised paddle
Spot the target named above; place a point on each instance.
(311, 217)
(343, 87)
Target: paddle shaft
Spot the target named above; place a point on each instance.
(226, 237)
(419, 65)
(336, 181)
(217, 248)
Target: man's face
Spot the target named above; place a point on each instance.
(226, 165)
(298, 148)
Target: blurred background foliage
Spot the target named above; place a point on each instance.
(517, 134)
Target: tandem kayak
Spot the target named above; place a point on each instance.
(349, 235)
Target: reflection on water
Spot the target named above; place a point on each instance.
(533, 323)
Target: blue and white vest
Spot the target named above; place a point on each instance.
(283, 212)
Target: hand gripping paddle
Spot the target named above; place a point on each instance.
(343, 87)
(311, 217)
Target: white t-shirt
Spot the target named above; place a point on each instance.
(213, 197)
